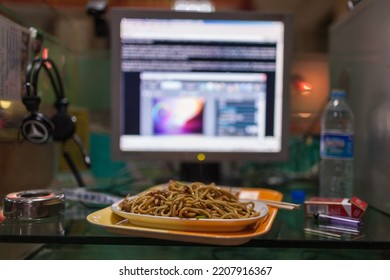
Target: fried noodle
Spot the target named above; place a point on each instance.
(193, 200)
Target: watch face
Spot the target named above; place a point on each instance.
(35, 131)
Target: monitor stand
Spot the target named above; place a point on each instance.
(200, 172)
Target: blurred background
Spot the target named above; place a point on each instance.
(84, 35)
(75, 33)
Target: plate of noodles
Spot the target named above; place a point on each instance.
(190, 207)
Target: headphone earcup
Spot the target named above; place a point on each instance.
(37, 128)
(64, 126)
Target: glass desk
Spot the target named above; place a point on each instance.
(287, 232)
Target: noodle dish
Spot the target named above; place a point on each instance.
(190, 206)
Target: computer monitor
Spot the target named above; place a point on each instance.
(200, 87)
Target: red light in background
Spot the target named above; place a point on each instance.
(303, 87)
(300, 86)
(45, 53)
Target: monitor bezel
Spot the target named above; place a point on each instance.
(116, 14)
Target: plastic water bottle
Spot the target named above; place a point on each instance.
(337, 148)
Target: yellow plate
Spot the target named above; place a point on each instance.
(117, 224)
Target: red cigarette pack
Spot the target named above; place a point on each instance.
(347, 207)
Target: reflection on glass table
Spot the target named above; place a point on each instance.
(290, 229)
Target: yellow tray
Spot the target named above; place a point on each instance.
(114, 223)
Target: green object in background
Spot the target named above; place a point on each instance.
(303, 159)
(94, 77)
(102, 164)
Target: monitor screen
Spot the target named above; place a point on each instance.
(192, 86)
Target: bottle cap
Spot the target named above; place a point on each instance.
(338, 93)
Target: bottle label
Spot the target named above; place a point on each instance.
(337, 145)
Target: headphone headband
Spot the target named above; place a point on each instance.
(32, 74)
(27, 84)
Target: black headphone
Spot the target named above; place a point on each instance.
(38, 128)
